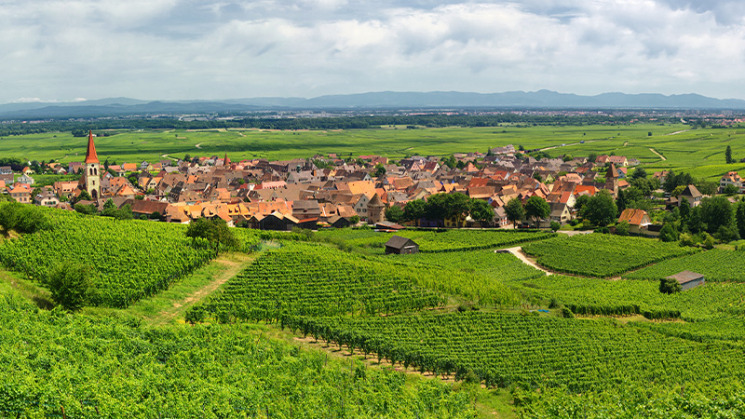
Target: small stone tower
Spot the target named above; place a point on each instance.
(375, 210)
(611, 180)
(91, 180)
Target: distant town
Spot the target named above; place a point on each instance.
(341, 191)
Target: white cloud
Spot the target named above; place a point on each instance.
(171, 49)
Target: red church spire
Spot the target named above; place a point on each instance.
(91, 156)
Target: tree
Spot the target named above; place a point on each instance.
(415, 210)
(669, 286)
(216, 232)
(481, 211)
(669, 233)
(730, 190)
(514, 210)
(717, 212)
(555, 226)
(353, 220)
(394, 213)
(601, 209)
(592, 157)
(622, 228)
(621, 203)
(639, 173)
(581, 201)
(537, 208)
(728, 155)
(739, 216)
(685, 209)
(380, 170)
(70, 285)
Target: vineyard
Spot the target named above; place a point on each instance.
(602, 255)
(531, 351)
(131, 259)
(313, 279)
(716, 266)
(58, 365)
(601, 297)
(432, 241)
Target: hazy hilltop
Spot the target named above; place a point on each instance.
(394, 100)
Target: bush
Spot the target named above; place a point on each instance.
(709, 241)
(71, 285)
(567, 313)
(669, 286)
(555, 226)
(622, 228)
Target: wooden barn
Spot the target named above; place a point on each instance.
(688, 279)
(401, 246)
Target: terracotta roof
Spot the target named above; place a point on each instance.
(633, 216)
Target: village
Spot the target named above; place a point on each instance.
(339, 192)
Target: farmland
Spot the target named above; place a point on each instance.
(85, 366)
(700, 151)
(430, 241)
(127, 257)
(609, 255)
(715, 265)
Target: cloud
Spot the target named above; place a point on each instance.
(186, 49)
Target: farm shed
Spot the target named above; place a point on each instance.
(688, 279)
(401, 245)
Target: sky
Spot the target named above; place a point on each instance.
(56, 50)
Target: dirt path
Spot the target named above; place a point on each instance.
(657, 154)
(678, 132)
(232, 268)
(518, 252)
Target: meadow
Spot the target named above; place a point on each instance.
(700, 151)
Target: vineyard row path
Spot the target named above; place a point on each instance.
(233, 267)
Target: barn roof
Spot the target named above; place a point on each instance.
(398, 242)
(685, 277)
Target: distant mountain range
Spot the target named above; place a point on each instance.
(542, 99)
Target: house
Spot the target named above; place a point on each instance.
(47, 199)
(637, 219)
(401, 246)
(731, 178)
(560, 213)
(21, 192)
(692, 195)
(28, 180)
(688, 279)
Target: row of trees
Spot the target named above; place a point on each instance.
(442, 206)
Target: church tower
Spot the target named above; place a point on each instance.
(91, 180)
(611, 180)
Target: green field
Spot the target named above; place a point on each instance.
(602, 255)
(700, 151)
(715, 265)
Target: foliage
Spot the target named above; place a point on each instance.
(431, 240)
(214, 231)
(601, 210)
(312, 279)
(555, 226)
(111, 367)
(515, 210)
(481, 211)
(70, 284)
(415, 210)
(669, 286)
(529, 351)
(622, 228)
(715, 265)
(537, 208)
(669, 233)
(131, 259)
(23, 218)
(394, 213)
(610, 255)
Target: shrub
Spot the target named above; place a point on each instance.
(71, 285)
(669, 286)
(622, 228)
